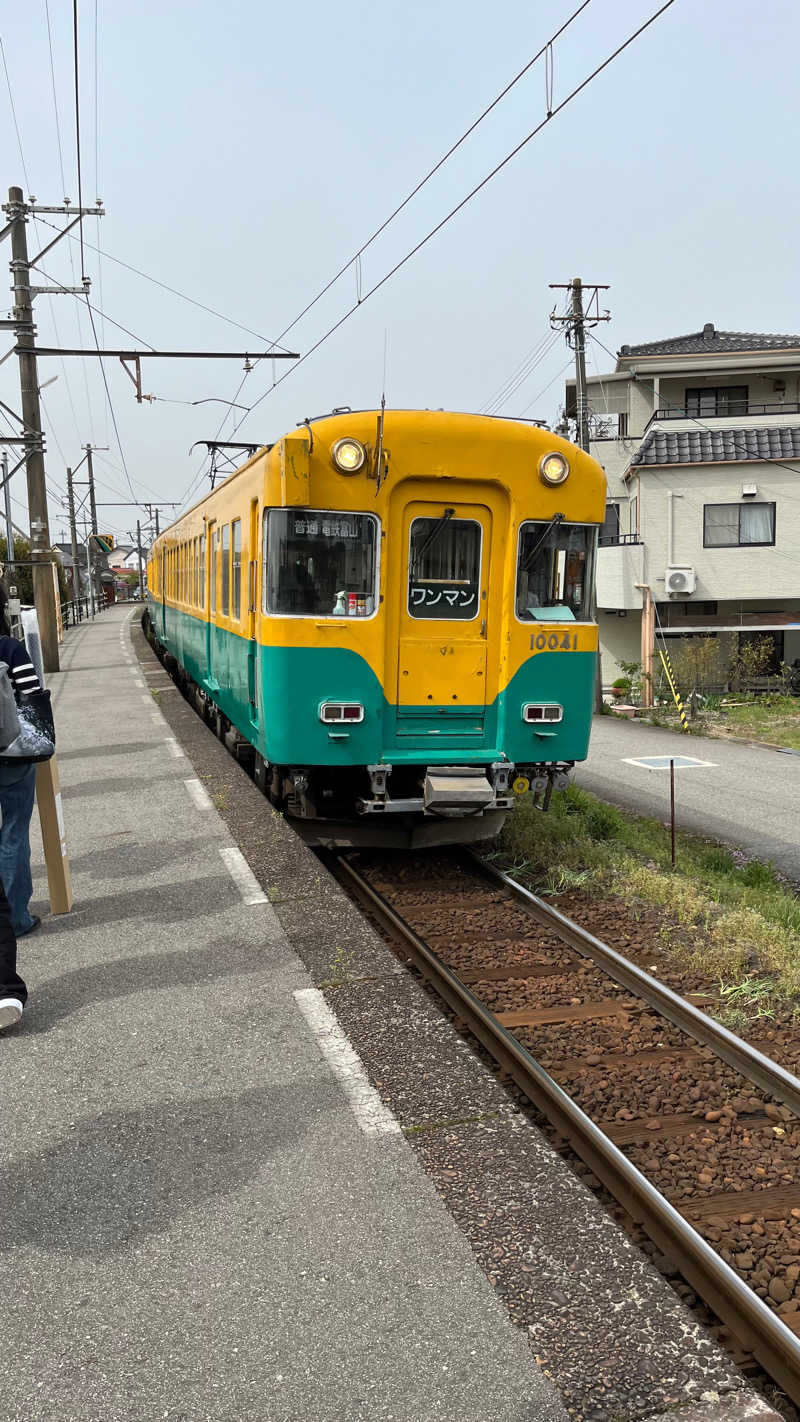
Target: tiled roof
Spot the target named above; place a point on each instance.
(725, 446)
(709, 341)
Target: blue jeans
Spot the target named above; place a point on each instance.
(17, 792)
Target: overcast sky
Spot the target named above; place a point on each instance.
(244, 151)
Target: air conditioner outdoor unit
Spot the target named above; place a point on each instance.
(680, 580)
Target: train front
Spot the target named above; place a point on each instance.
(426, 648)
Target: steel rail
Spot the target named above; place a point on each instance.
(754, 1325)
(775, 1080)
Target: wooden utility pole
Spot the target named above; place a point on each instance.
(43, 590)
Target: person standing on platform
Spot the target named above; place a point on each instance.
(13, 992)
(17, 793)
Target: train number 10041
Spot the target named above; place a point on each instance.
(554, 641)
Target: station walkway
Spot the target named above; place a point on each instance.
(195, 1223)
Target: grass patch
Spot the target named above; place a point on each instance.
(731, 919)
(772, 718)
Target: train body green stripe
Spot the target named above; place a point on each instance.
(273, 695)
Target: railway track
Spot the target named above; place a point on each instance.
(694, 1132)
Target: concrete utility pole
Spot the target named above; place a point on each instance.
(73, 533)
(139, 555)
(575, 322)
(157, 528)
(7, 504)
(44, 596)
(93, 517)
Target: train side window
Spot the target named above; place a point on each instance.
(319, 563)
(444, 568)
(201, 596)
(225, 584)
(554, 571)
(214, 560)
(236, 568)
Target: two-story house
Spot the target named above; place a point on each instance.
(699, 436)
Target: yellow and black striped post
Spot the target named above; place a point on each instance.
(670, 675)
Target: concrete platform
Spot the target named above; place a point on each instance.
(203, 1220)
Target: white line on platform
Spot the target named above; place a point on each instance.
(374, 1118)
(199, 794)
(243, 876)
(173, 747)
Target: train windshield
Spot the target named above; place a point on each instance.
(444, 568)
(319, 563)
(554, 571)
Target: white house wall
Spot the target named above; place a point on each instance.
(722, 573)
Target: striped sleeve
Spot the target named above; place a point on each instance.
(24, 677)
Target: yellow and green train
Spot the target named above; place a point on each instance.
(389, 614)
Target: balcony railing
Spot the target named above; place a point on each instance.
(617, 540)
(675, 412)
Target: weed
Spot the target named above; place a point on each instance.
(274, 894)
(722, 915)
(339, 967)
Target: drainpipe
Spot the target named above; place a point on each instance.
(648, 642)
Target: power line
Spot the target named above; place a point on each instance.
(355, 259)
(268, 341)
(538, 397)
(78, 130)
(55, 100)
(435, 169)
(521, 374)
(96, 309)
(463, 203)
(14, 116)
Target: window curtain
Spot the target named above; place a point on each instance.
(756, 523)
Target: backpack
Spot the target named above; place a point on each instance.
(27, 732)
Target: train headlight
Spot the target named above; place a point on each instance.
(348, 455)
(553, 469)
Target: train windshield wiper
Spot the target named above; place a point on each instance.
(432, 536)
(554, 522)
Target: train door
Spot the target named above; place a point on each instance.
(211, 596)
(252, 608)
(441, 668)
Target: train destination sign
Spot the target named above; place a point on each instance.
(435, 598)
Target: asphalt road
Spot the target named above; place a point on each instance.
(746, 797)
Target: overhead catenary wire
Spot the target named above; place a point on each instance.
(435, 169)
(442, 223)
(534, 132)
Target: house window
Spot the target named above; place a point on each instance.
(609, 532)
(717, 400)
(225, 583)
(738, 525)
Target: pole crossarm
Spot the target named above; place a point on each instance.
(169, 355)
